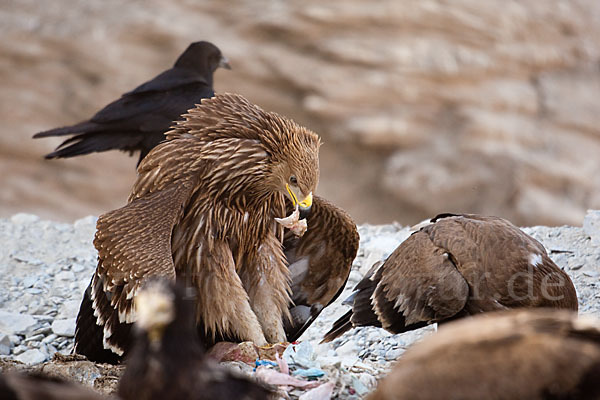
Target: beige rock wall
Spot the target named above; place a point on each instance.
(424, 107)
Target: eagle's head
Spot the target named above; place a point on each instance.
(263, 152)
(155, 310)
(296, 174)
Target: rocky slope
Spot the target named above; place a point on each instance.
(46, 266)
(424, 106)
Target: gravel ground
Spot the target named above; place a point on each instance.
(45, 266)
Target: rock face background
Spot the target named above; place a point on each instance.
(424, 107)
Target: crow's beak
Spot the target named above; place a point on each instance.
(224, 63)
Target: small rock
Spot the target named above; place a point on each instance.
(393, 354)
(65, 276)
(69, 309)
(33, 356)
(591, 226)
(34, 338)
(51, 350)
(64, 327)
(11, 323)
(22, 218)
(49, 338)
(14, 339)
(77, 268)
(44, 318)
(5, 345)
(19, 349)
(43, 330)
(29, 281)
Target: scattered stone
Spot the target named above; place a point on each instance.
(43, 330)
(14, 339)
(64, 327)
(5, 345)
(69, 309)
(65, 276)
(19, 349)
(23, 219)
(11, 323)
(591, 226)
(33, 356)
(29, 281)
(34, 338)
(77, 268)
(50, 338)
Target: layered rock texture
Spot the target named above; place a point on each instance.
(490, 107)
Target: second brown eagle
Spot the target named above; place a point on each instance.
(455, 266)
(203, 211)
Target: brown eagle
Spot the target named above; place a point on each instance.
(203, 210)
(511, 355)
(454, 266)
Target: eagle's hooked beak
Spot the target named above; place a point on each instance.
(304, 205)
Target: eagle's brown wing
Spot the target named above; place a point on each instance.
(418, 284)
(505, 267)
(133, 243)
(458, 265)
(518, 354)
(319, 262)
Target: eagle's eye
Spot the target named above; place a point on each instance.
(293, 180)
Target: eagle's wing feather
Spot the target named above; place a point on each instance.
(133, 243)
(319, 262)
(418, 283)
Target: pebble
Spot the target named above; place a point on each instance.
(43, 330)
(33, 356)
(591, 226)
(24, 219)
(29, 281)
(64, 327)
(65, 276)
(77, 268)
(50, 338)
(69, 309)
(14, 339)
(19, 349)
(11, 323)
(5, 345)
(393, 354)
(34, 338)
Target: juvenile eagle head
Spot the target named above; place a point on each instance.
(155, 308)
(296, 170)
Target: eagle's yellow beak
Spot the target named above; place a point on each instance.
(304, 204)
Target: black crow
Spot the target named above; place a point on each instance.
(139, 119)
